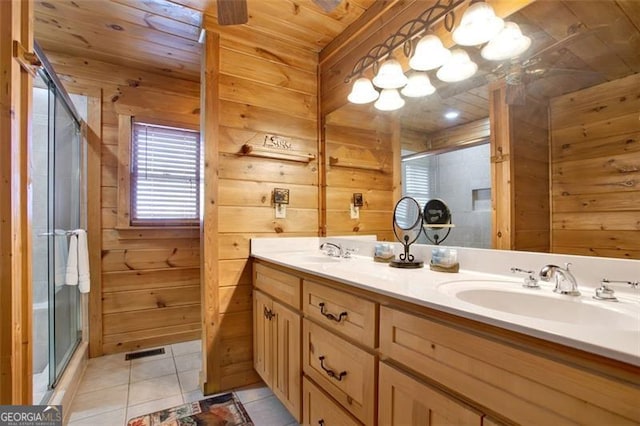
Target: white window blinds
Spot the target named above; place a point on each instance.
(165, 175)
(417, 178)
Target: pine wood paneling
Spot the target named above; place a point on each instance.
(530, 181)
(150, 277)
(595, 158)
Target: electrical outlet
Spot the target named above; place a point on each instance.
(281, 211)
(355, 211)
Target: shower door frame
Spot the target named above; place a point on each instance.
(48, 74)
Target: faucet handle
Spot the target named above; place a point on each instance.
(530, 281)
(348, 252)
(605, 292)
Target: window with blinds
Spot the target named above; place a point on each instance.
(165, 175)
(417, 178)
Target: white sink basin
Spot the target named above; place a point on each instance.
(512, 298)
(313, 258)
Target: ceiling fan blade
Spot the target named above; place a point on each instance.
(232, 12)
(515, 94)
(578, 33)
(327, 5)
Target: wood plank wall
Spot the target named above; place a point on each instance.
(266, 87)
(595, 178)
(16, 24)
(150, 278)
(530, 156)
(360, 136)
(443, 140)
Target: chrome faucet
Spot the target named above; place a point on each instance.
(565, 281)
(333, 250)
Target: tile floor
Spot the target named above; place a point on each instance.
(113, 390)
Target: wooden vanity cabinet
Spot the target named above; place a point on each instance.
(276, 336)
(318, 409)
(373, 359)
(509, 378)
(405, 401)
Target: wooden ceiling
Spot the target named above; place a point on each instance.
(606, 48)
(162, 35)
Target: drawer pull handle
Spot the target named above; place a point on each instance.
(331, 373)
(268, 313)
(321, 422)
(331, 316)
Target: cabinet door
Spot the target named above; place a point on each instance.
(320, 410)
(287, 375)
(405, 401)
(262, 336)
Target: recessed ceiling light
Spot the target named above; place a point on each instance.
(451, 115)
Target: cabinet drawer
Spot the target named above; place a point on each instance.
(345, 371)
(517, 384)
(405, 401)
(321, 410)
(342, 312)
(281, 285)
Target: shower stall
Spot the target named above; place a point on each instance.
(57, 161)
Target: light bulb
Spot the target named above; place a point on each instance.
(418, 85)
(430, 54)
(389, 100)
(362, 92)
(390, 75)
(507, 44)
(458, 68)
(478, 25)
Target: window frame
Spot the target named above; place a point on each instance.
(125, 219)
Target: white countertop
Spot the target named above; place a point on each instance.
(425, 287)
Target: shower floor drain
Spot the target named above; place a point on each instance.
(143, 354)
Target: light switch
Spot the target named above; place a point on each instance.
(355, 211)
(281, 211)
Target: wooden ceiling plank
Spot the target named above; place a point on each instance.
(624, 35)
(106, 26)
(91, 69)
(167, 9)
(556, 18)
(128, 14)
(632, 9)
(117, 44)
(170, 69)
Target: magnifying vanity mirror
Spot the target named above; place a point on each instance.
(407, 226)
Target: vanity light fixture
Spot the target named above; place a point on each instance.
(389, 100)
(419, 85)
(478, 25)
(459, 67)
(430, 54)
(390, 75)
(362, 92)
(509, 43)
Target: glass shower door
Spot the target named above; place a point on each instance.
(56, 177)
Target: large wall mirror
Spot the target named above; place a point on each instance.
(573, 99)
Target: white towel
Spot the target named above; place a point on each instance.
(78, 261)
(83, 262)
(72, 261)
(61, 248)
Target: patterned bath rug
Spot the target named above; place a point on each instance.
(220, 410)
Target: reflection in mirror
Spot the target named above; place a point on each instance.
(462, 179)
(572, 159)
